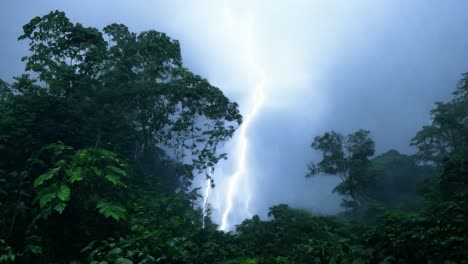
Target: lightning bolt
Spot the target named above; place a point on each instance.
(245, 43)
(242, 168)
(205, 200)
(240, 176)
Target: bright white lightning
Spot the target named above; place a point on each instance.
(236, 179)
(242, 31)
(205, 200)
(240, 175)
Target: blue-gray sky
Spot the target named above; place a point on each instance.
(342, 65)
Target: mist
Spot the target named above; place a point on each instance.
(337, 65)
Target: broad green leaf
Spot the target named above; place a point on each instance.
(35, 249)
(117, 170)
(113, 179)
(63, 193)
(111, 210)
(81, 156)
(75, 175)
(106, 154)
(60, 207)
(89, 246)
(46, 198)
(96, 171)
(123, 261)
(115, 251)
(45, 177)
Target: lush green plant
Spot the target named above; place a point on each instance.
(93, 174)
(122, 251)
(6, 252)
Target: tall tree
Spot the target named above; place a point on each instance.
(65, 56)
(103, 138)
(132, 90)
(348, 158)
(444, 142)
(448, 132)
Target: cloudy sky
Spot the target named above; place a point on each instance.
(342, 65)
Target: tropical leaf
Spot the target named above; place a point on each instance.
(96, 171)
(75, 175)
(115, 180)
(63, 193)
(60, 207)
(45, 177)
(118, 170)
(115, 252)
(46, 195)
(123, 261)
(111, 210)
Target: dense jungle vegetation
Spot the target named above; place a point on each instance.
(100, 139)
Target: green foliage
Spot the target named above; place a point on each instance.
(111, 210)
(296, 236)
(64, 55)
(397, 180)
(5, 90)
(81, 146)
(123, 251)
(449, 129)
(454, 179)
(81, 169)
(242, 261)
(6, 252)
(9, 255)
(434, 236)
(348, 158)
